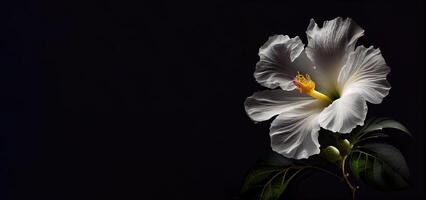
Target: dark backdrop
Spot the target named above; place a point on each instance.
(145, 101)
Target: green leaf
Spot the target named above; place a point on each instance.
(269, 182)
(376, 124)
(381, 166)
(278, 183)
(257, 177)
(373, 128)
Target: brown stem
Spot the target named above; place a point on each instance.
(345, 176)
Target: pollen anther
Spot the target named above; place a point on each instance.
(305, 85)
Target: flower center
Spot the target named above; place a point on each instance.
(306, 86)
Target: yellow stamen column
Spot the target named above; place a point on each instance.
(307, 86)
(320, 96)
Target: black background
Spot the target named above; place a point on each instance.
(145, 101)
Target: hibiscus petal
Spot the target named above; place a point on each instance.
(344, 114)
(280, 59)
(329, 46)
(265, 104)
(365, 73)
(294, 133)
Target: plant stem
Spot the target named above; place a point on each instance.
(345, 176)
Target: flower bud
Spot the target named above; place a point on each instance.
(331, 153)
(344, 147)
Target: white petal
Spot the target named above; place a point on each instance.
(329, 46)
(265, 104)
(294, 133)
(280, 59)
(344, 114)
(365, 73)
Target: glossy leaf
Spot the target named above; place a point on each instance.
(373, 128)
(381, 166)
(258, 177)
(268, 182)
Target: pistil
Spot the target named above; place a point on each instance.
(305, 85)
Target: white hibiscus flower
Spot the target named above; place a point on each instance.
(323, 85)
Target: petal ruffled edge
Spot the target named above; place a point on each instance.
(294, 134)
(365, 73)
(329, 45)
(344, 114)
(275, 67)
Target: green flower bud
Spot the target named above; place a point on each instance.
(331, 154)
(344, 147)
